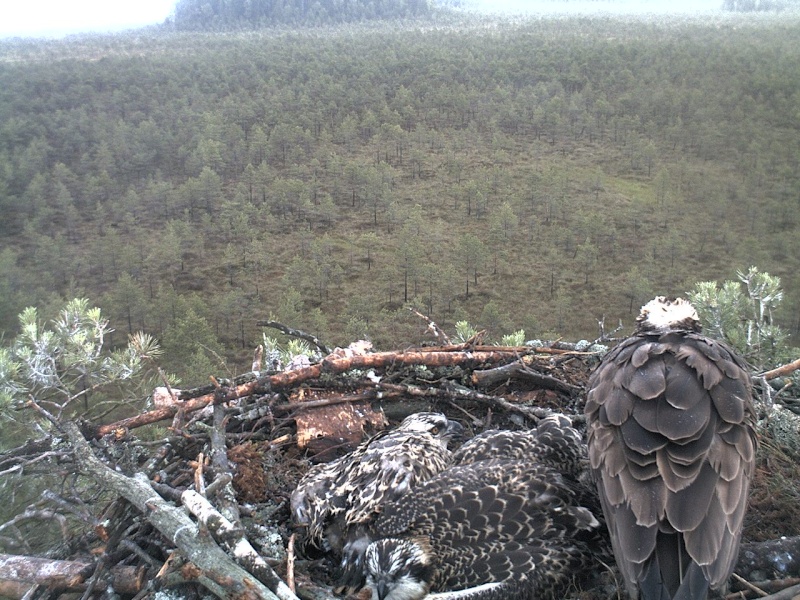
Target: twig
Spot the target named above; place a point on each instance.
(786, 594)
(258, 357)
(199, 480)
(454, 391)
(232, 537)
(312, 339)
(518, 369)
(432, 326)
(290, 564)
(39, 515)
(220, 574)
(605, 336)
(221, 468)
(431, 357)
(749, 586)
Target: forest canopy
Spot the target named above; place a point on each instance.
(529, 175)
(213, 15)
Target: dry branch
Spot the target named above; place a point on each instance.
(383, 360)
(775, 557)
(432, 326)
(330, 365)
(782, 370)
(233, 539)
(790, 593)
(296, 333)
(26, 571)
(220, 574)
(521, 371)
(277, 403)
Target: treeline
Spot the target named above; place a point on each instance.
(218, 15)
(533, 176)
(761, 5)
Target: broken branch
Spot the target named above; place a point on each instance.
(233, 539)
(782, 370)
(296, 333)
(228, 579)
(65, 574)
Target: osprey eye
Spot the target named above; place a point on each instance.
(435, 430)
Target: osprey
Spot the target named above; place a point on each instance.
(496, 528)
(553, 442)
(671, 441)
(335, 500)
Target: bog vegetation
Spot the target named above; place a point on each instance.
(520, 175)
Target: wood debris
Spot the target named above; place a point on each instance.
(201, 504)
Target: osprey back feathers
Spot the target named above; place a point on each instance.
(493, 529)
(554, 442)
(671, 437)
(498, 524)
(333, 498)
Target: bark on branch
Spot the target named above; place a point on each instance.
(227, 579)
(22, 572)
(331, 365)
(782, 370)
(521, 371)
(233, 539)
(779, 557)
(296, 333)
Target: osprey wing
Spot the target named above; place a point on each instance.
(671, 444)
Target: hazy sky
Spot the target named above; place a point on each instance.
(595, 6)
(59, 17)
(56, 18)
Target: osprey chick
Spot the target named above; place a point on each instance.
(554, 442)
(501, 528)
(671, 435)
(333, 501)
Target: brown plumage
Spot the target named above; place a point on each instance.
(671, 444)
(502, 523)
(335, 500)
(490, 530)
(553, 442)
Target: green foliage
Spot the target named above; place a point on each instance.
(464, 332)
(284, 354)
(64, 367)
(742, 313)
(191, 349)
(332, 175)
(513, 339)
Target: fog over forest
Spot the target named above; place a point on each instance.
(593, 7)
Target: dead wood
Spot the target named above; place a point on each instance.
(782, 370)
(437, 331)
(232, 538)
(330, 365)
(788, 593)
(519, 370)
(250, 443)
(385, 360)
(222, 488)
(23, 572)
(770, 559)
(220, 574)
(296, 333)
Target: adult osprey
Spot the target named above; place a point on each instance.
(496, 528)
(333, 501)
(671, 435)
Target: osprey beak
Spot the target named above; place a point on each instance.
(382, 590)
(454, 430)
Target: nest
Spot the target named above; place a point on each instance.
(235, 451)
